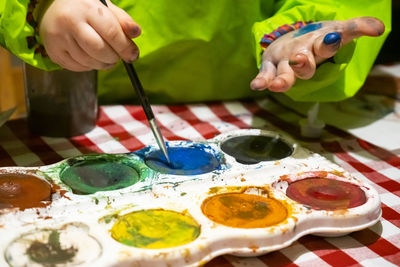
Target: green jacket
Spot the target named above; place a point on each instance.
(204, 50)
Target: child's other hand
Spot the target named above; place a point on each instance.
(296, 54)
(81, 35)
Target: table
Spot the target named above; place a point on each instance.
(124, 128)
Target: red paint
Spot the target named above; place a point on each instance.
(23, 191)
(326, 194)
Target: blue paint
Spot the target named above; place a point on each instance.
(332, 38)
(307, 29)
(191, 160)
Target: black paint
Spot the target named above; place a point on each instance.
(252, 149)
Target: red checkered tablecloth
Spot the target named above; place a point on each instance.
(124, 128)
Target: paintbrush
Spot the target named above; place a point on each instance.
(137, 85)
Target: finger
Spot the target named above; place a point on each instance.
(128, 25)
(303, 65)
(362, 26)
(59, 55)
(264, 77)
(113, 34)
(285, 78)
(92, 43)
(326, 46)
(67, 62)
(79, 55)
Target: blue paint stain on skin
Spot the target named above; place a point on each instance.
(332, 38)
(190, 160)
(307, 29)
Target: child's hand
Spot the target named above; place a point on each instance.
(81, 35)
(296, 53)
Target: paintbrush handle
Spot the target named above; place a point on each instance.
(137, 85)
(146, 108)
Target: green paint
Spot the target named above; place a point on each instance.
(92, 173)
(50, 253)
(155, 229)
(108, 218)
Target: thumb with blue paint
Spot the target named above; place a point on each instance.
(297, 53)
(344, 32)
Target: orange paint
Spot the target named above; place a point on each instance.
(23, 191)
(244, 210)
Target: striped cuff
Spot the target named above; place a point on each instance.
(267, 39)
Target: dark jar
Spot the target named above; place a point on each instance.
(60, 103)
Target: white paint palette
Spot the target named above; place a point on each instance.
(115, 210)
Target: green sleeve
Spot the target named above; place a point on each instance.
(18, 36)
(341, 79)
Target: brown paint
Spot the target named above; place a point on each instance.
(244, 210)
(57, 189)
(23, 191)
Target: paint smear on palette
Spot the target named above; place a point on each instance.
(23, 191)
(326, 194)
(184, 160)
(252, 149)
(244, 210)
(93, 173)
(69, 245)
(155, 229)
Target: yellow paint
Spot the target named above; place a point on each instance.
(155, 229)
(244, 210)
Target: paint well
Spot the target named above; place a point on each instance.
(70, 245)
(326, 194)
(91, 174)
(155, 229)
(244, 210)
(50, 252)
(23, 191)
(252, 149)
(184, 160)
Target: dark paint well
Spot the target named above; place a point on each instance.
(252, 149)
